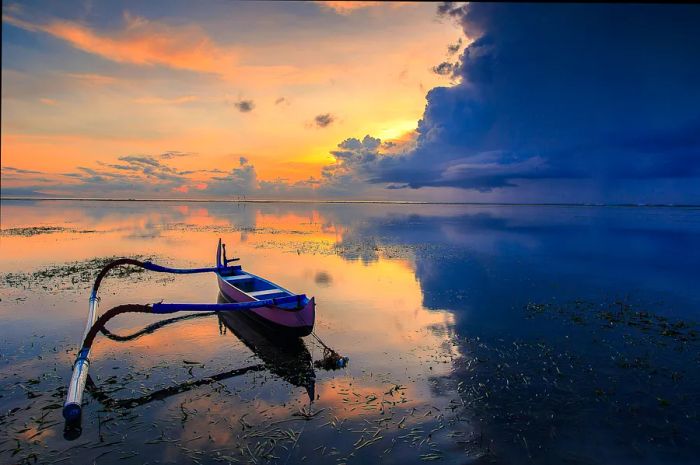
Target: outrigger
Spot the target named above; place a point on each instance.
(285, 316)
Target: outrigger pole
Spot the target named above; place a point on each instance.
(72, 408)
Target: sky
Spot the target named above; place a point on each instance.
(352, 100)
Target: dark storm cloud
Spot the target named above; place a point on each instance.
(453, 9)
(244, 106)
(324, 120)
(602, 92)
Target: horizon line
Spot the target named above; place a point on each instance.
(331, 201)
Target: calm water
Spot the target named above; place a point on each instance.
(476, 334)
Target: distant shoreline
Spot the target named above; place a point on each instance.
(379, 202)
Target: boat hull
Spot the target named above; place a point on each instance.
(282, 322)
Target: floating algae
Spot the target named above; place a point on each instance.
(619, 313)
(605, 370)
(365, 250)
(70, 274)
(227, 229)
(36, 230)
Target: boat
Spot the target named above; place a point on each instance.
(285, 317)
(294, 318)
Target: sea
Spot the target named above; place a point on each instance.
(475, 333)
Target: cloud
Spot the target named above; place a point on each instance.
(142, 174)
(443, 69)
(281, 100)
(174, 154)
(147, 176)
(166, 101)
(140, 160)
(605, 93)
(346, 7)
(238, 181)
(244, 106)
(93, 79)
(19, 170)
(454, 48)
(355, 162)
(451, 9)
(141, 42)
(324, 120)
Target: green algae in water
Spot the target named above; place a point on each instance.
(70, 273)
(37, 230)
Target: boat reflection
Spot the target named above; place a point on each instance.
(287, 358)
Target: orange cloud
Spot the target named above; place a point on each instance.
(93, 79)
(48, 101)
(347, 7)
(185, 189)
(166, 101)
(142, 42)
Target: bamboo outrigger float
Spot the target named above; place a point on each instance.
(284, 315)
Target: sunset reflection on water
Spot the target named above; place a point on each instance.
(475, 333)
(368, 309)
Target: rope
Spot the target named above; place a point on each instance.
(331, 360)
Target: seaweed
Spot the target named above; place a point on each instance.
(37, 230)
(69, 274)
(618, 312)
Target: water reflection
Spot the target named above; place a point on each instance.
(510, 334)
(288, 358)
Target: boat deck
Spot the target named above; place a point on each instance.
(255, 286)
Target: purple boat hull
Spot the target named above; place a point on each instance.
(295, 322)
(287, 320)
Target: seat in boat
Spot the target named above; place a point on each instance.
(239, 277)
(266, 292)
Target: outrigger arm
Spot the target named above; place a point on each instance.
(72, 408)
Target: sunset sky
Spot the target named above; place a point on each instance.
(355, 100)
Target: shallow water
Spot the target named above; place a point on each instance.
(476, 334)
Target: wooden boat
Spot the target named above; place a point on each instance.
(293, 318)
(284, 314)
